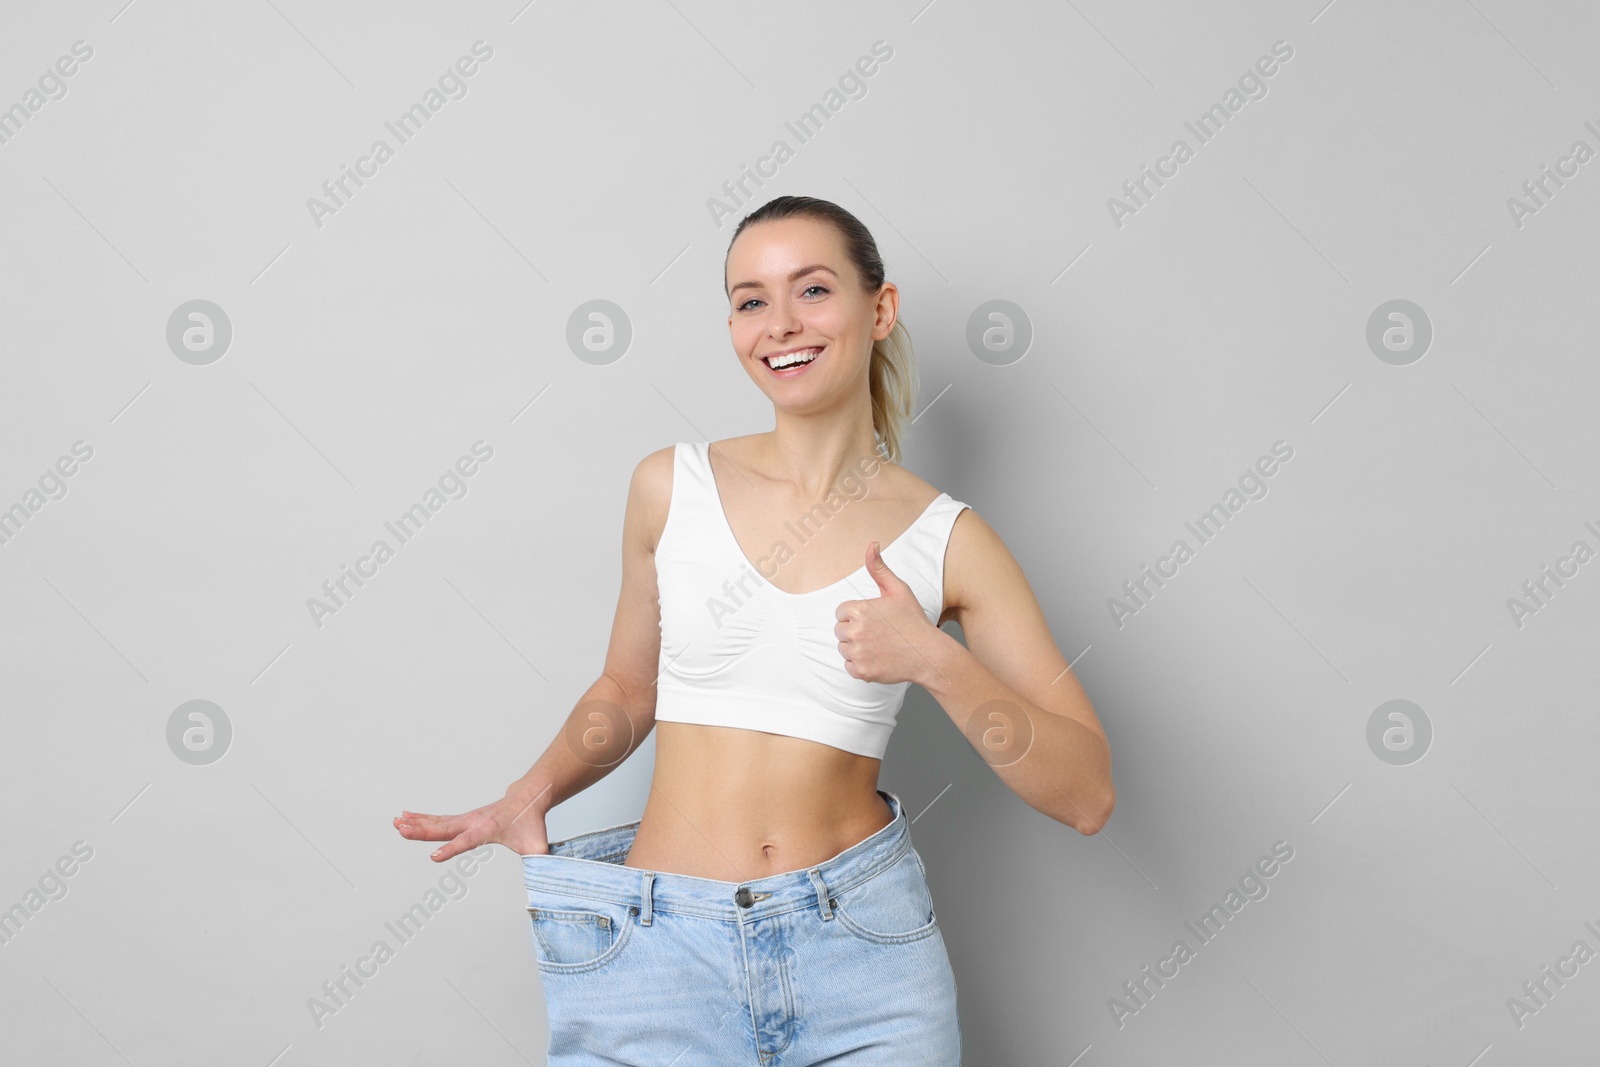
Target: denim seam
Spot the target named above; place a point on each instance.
(624, 935)
(788, 1007)
(590, 834)
(591, 892)
(885, 939)
(840, 911)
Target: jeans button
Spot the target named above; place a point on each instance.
(743, 897)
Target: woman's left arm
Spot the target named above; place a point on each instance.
(1009, 690)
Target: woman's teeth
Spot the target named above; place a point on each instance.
(790, 359)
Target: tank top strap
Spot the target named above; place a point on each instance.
(690, 518)
(918, 557)
(692, 469)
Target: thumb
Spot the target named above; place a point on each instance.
(888, 581)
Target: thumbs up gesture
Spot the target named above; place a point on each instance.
(883, 639)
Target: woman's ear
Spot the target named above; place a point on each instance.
(888, 307)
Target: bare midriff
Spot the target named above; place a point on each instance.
(736, 805)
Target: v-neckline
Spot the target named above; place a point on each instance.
(733, 538)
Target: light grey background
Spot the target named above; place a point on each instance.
(1169, 352)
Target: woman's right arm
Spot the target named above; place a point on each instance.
(612, 718)
(618, 711)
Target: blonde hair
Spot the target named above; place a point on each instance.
(892, 375)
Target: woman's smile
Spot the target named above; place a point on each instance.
(792, 362)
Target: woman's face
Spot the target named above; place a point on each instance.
(793, 287)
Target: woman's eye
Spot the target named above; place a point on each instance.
(755, 300)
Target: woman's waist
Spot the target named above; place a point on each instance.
(738, 831)
(591, 867)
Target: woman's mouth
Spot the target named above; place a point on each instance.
(792, 364)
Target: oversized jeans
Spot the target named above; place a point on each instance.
(839, 963)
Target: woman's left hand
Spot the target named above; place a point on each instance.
(886, 639)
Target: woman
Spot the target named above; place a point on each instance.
(768, 907)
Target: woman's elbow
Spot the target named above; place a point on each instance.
(1098, 815)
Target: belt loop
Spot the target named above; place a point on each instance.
(815, 873)
(646, 905)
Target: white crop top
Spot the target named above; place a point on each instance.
(737, 651)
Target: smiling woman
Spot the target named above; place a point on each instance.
(888, 364)
(770, 902)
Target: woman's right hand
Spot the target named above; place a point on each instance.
(516, 824)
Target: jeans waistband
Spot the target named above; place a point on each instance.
(590, 865)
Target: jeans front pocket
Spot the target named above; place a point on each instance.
(577, 936)
(892, 907)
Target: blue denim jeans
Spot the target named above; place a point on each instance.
(839, 963)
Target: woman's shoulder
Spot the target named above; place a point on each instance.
(650, 491)
(655, 469)
(899, 483)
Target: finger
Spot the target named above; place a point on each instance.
(888, 581)
(462, 843)
(428, 827)
(413, 822)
